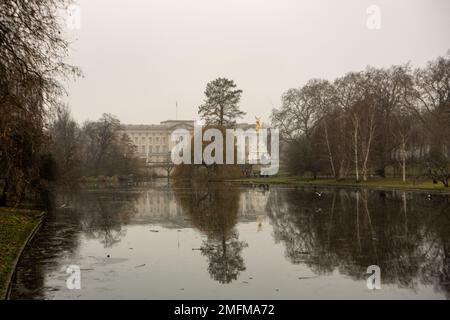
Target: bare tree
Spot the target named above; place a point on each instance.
(106, 150)
(32, 54)
(431, 104)
(350, 92)
(387, 88)
(65, 145)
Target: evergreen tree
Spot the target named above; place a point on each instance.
(221, 105)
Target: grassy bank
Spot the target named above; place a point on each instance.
(15, 227)
(376, 183)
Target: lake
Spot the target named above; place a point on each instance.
(229, 241)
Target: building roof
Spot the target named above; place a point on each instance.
(162, 125)
(141, 126)
(167, 124)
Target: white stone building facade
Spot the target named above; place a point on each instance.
(152, 141)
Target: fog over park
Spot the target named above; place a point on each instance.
(140, 57)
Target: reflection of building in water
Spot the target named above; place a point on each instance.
(160, 207)
(252, 204)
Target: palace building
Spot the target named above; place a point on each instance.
(152, 141)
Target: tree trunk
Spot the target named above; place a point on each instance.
(21, 196)
(342, 170)
(403, 160)
(356, 148)
(366, 159)
(330, 155)
(221, 116)
(3, 198)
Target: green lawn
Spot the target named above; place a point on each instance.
(15, 226)
(379, 183)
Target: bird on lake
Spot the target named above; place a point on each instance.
(319, 193)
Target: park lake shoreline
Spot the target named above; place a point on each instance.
(382, 184)
(17, 229)
(379, 184)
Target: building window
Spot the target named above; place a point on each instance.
(157, 149)
(143, 149)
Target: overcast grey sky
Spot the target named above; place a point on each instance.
(140, 56)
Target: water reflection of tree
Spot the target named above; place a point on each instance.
(103, 216)
(213, 209)
(99, 215)
(407, 236)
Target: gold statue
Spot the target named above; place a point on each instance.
(258, 124)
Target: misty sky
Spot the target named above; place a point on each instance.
(141, 56)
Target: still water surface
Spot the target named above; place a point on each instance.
(224, 241)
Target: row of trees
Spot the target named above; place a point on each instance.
(363, 122)
(32, 53)
(39, 141)
(92, 149)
